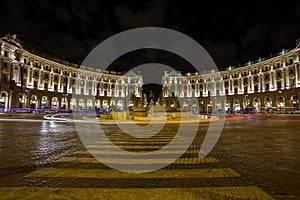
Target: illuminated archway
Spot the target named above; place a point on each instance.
(257, 104)
(227, 105)
(268, 102)
(3, 101)
(33, 102)
(105, 104)
(97, 104)
(209, 106)
(44, 102)
(295, 101)
(73, 104)
(280, 102)
(236, 105)
(246, 102)
(54, 103)
(89, 104)
(64, 102)
(218, 104)
(82, 104)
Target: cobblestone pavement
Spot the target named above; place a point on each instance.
(255, 159)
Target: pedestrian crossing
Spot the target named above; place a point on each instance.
(82, 176)
(203, 193)
(102, 173)
(148, 161)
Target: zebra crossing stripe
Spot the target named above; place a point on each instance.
(202, 193)
(110, 173)
(145, 161)
(109, 152)
(129, 146)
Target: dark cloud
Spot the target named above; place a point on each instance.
(254, 40)
(221, 51)
(231, 32)
(151, 14)
(286, 27)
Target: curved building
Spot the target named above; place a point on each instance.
(269, 83)
(30, 79)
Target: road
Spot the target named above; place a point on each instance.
(253, 159)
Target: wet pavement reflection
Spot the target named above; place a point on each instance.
(35, 143)
(264, 152)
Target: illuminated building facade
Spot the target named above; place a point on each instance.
(30, 79)
(265, 84)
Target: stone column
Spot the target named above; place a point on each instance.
(205, 92)
(274, 81)
(51, 81)
(69, 87)
(263, 86)
(189, 93)
(222, 86)
(116, 92)
(40, 82)
(271, 81)
(252, 84)
(287, 85)
(249, 89)
(29, 77)
(298, 66)
(77, 86)
(85, 86)
(166, 91)
(59, 88)
(214, 88)
(94, 87)
(297, 75)
(241, 85)
(123, 90)
(249, 84)
(230, 86)
(109, 89)
(259, 83)
(102, 88)
(136, 91)
(180, 90)
(196, 92)
(19, 80)
(282, 79)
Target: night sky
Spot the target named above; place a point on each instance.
(232, 33)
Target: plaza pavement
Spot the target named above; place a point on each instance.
(81, 176)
